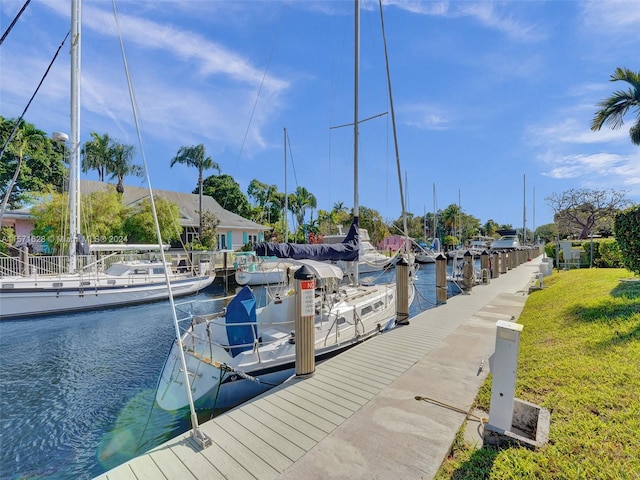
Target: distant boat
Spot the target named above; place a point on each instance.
(508, 241)
(253, 270)
(75, 281)
(480, 244)
(370, 259)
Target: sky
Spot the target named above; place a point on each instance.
(492, 101)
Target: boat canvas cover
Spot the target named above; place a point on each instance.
(348, 250)
(241, 310)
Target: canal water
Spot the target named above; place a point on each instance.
(77, 390)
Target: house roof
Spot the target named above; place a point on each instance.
(188, 205)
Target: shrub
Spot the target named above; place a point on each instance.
(626, 226)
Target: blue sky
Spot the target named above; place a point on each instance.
(485, 94)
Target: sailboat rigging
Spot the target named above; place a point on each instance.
(241, 351)
(33, 291)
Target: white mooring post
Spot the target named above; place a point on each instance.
(504, 366)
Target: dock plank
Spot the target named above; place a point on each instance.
(305, 396)
(170, 465)
(366, 386)
(190, 456)
(331, 394)
(252, 462)
(254, 443)
(291, 420)
(309, 417)
(354, 372)
(352, 389)
(299, 438)
(278, 441)
(144, 468)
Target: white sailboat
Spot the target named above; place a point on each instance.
(32, 291)
(234, 354)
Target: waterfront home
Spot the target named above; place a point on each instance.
(233, 230)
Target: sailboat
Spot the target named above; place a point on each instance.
(33, 292)
(226, 357)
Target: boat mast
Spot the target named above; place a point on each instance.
(286, 198)
(524, 209)
(356, 73)
(74, 158)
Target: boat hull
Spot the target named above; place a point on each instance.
(221, 379)
(25, 297)
(261, 277)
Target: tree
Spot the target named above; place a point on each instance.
(195, 156)
(121, 164)
(102, 217)
(299, 202)
(97, 154)
(267, 199)
(26, 139)
(226, 191)
(31, 164)
(613, 109)
(140, 227)
(584, 211)
(546, 233)
(627, 233)
(490, 227)
(374, 223)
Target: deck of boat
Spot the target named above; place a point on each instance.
(357, 416)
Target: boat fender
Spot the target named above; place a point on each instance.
(292, 337)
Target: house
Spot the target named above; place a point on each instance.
(393, 243)
(233, 230)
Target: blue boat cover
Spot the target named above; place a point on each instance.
(242, 310)
(348, 250)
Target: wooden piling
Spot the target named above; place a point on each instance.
(467, 271)
(402, 292)
(495, 265)
(484, 267)
(441, 279)
(305, 313)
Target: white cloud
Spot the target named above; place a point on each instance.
(612, 15)
(426, 117)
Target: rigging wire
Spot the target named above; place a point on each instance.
(15, 20)
(19, 120)
(197, 434)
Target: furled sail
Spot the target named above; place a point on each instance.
(348, 250)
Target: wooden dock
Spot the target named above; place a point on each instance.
(268, 435)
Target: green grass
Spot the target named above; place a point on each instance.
(579, 358)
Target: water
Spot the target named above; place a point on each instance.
(77, 390)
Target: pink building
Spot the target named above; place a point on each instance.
(393, 243)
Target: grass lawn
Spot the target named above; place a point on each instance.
(579, 358)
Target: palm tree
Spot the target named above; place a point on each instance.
(616, 106)
(299, 202)
(26, 138)
(194, 156)
(120, 164)
(97, 154)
